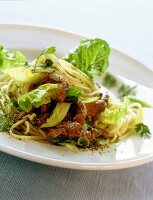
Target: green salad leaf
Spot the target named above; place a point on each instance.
(25, 75)
(91, 56)
(10, 60)
(113, 114)
(37, 97)
(143, 130)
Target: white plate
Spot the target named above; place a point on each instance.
(128, 153)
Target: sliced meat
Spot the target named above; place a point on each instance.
(44, 107)
(57, 78)
(55, 132)
(68, 117)
(74, 129)
(61, 94)
(97, 107)
(69, 129)
(94, 134)
(42, 118)
(81, 112)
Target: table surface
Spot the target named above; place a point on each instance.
(128, 26)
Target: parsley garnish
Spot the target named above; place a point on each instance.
(73, 93)
(88, 120)
(143, 130)
(48, 63)
(126, 90)
(109, 81)
(5, 123)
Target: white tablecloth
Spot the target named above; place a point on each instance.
(127, 25)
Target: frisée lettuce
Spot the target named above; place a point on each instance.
(10, 60)
(25, 75)
(113, 114)
(91, 56)
(37, 97)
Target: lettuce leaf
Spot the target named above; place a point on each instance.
(25, 75)
(91, 56)
(37, 97)
(113, 114)
(10, 60)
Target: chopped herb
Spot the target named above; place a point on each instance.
(102, 137)
(48, 63)
(73, 93)
(109, 81)
(126, 90)
(15, 104)
(88, 120)
(5, 123)
(83, 141)
(58, 139)
(143, 130)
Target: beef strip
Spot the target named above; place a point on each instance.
(81, 112)
(55, 132)
(42, 118)
(70, 129)
(44, 107)
(74, 130)
(57, 78)
(94, 108)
